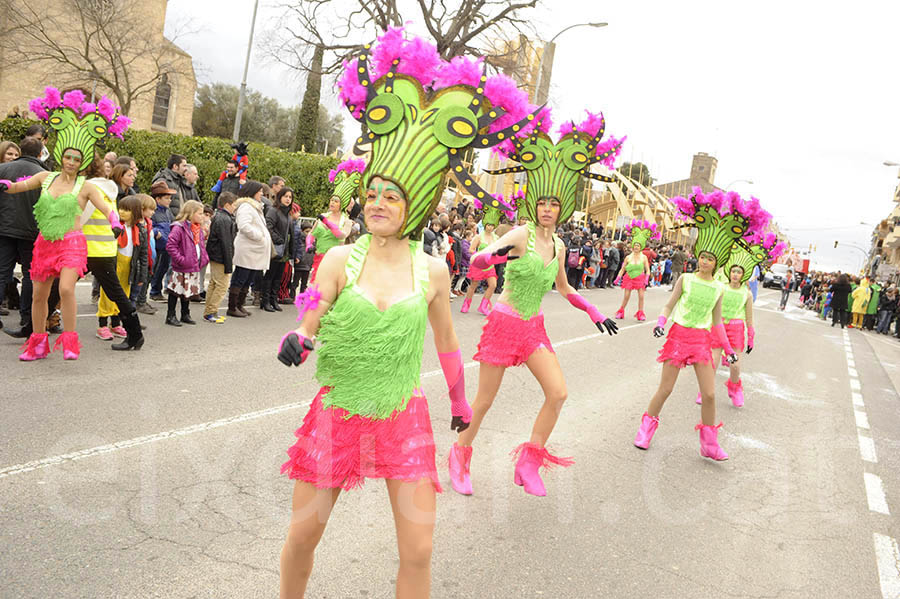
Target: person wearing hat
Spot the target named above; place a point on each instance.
(162, 224)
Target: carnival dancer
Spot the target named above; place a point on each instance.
(737, 304)
(491, 212)
(372, 299)
(60, 251)
(334, 226)
(635, 271)
(514, 333)
(696, 310)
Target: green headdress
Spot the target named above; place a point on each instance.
(553, 169)
(642, 231)
(422, 113)
(721, 220)
(750, 251)
(347, 176)
(493, 209)
(78, 124)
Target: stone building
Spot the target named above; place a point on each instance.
(166, 106)
(703, 174)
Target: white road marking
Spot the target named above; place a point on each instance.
(887, 557)
(749, 442)
(854, 384)
(852, 372)
(867, 448)
(857, 400)
(875, 494)
(862, 421)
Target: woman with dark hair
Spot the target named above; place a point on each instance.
(278, 222)
(252, 245)
(840, 291)
(123, 176)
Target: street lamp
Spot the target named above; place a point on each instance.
(547, 61)
(748, 181)
(240, 107)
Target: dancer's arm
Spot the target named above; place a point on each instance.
(748, 319)
(296, 345)
(660, 329)
(335, 230)
(28, 184)
(90, 193)
(718, 332)
(447, 344)
(509, 247)
(562, 286)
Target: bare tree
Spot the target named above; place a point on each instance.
(77, 43)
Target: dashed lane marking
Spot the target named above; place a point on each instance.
(888, 559)
(862, 420)
(867, 448)
(875, 494)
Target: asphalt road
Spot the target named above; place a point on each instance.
(155, 473)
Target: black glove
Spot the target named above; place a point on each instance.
(732, 358)
(658, 331)
(292, 352)
(4, 185)
(504, 251)
(609, 325)
(457, 424)
(749, 348)
(118, 231)
(321, 217)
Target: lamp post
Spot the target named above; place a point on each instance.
(240, 107)
(546, 63)
(748, 181)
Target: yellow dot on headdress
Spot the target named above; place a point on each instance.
(475, 102)
(480, 194)
(516, 127)
(364, 82)
(458, 169)
(495, 203)
(396, 61)
(573, 128)
(371, 135)
(484, 142)
(390, 75)
(453, 150)
(363, 57)
(484, 78)
(388, 89)
(492, 114)
(359, 141)
(468, 182)
(362, 69)
(353, 109)
(480, 90)
(500, 136)
(530, 117)
(367, 46)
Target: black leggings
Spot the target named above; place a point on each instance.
(104, 270)
(173, 301)
(841, 317)
(242, 277)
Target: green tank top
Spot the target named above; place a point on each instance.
(325, 239)
(484, 242)
(56, 216)
(698, 298)
(634, 270)
(734, 303)
(372, 359)
(528, 280)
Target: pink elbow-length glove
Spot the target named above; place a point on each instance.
(484, 261)
(332, 227)
(115, 224)
(461, 412)
(602, 322)
(310, 241)
(718, 332)
(751, 333)
(660, 329)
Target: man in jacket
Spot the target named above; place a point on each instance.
(220, 248)
(162, 226)
(231, 182)
(189, 187)
(678, 259)
(173, 175)
(18, 229)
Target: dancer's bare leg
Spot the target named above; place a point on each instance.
(666, 384)
(489, 379)
(544, 365)
(310, 509)
(641, 300)
(39, 305)
(413, 505)
(625, 299)
(69, 308)
(706, 379)
(491, 285)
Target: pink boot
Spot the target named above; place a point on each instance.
(699, 398)
(640, 316)
(70, 344)
(532, 457)
(709, 442)
(485, 307)
(620, 314)
(736, 393)
(460, 456)
(645, 433)
(465, 307)
(36, 348)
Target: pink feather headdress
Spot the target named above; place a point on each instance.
(352, 165)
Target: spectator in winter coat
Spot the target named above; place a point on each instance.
(231, 182)
(220, 248)
(189, 188)
(174, 178)
(886, 309)
(303, 258)
(281, 227)
(871, 316)
(840, 293)
(252, 245)
(162, 226)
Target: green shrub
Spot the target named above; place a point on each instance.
(306, 173)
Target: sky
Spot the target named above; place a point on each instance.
(799, 97)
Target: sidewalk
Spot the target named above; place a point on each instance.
(887, 349)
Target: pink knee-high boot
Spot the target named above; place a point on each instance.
(36, 348)
(465, 305)
(640, 316)
(532, 457)
(699, 398)
(709, 442)
(460, 456)
(645, 433)
(620, 313)
(485, 306)
(736, 392)
(70, 344)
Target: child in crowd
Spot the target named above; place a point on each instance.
(187, 250)
(130, 212)
(303, 258)
(162, 223)
(465, 254)
(220, 249)
(141, 277)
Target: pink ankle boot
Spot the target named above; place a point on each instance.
(460, 456)
(736, 393)
(36, 348)
(485, 307)
(709, 442)
(465, 307)
(620, 314)
(699, 398)
(532, 457)
(645, 433)
(70, 344)
(641, 317)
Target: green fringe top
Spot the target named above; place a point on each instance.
(734, 303)
(634, 269)
(56, 216)
(325, 239)
(372, 359)
(698, 298)
(528, 280)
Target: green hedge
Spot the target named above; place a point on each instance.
(306, 173)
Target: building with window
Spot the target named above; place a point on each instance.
(164, 101)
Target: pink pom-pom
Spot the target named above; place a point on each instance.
(477, 203)
(388, 47)
(119, 126)
(88, 108)
(52, 98)
(73, 100)
(419, 58)
(352, 165)
(502, 91)
(460, 70)
(614, 144)
(37, 107)
(351, 92)
(106, 108)
(685, 206)
(308, 300)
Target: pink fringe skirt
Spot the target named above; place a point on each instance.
(509, 340)
(334, 451)
(317, 260)
(476, 274)
(685, 346)
(49, 257)
(637, 283)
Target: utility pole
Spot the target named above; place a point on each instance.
(240, 107)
